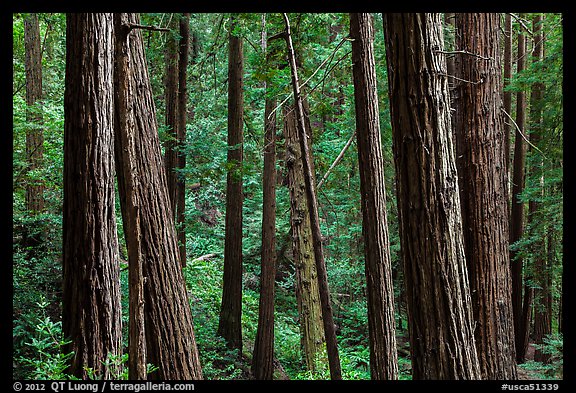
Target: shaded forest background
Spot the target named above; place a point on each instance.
(324, 60)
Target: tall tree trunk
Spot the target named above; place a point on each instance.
(438, 297)
(307, 288)
(329, 327)
(127, 183)
(182, 112)
(507, 95)
(383, 356)
(521, 322)
(542, 268)
(230, 326)
(172, 111)
(34, 135)
(91, 308)
(263, 358)
(170, 341)
(484, 192)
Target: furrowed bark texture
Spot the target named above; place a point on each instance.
(91, 308)
(170, 341)
(383, 356)
(484, 192)
(34, 136)
(438, 297)
(307, 291)
(230, 324)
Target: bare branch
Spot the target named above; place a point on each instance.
(463, 52)
(521, 133)
(337, 160)
(145, 27)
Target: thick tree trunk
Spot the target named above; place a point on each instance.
(383, 356)
(34, 135)
(309, 180)
(230, 325)
(307, 291)
(263, 359)
(438, 297)
(521, 320)
(182, 112)
(91, 308)
(170, 341)
(484, 192)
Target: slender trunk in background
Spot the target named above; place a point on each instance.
(263, 357)
(484, 193)
(309, 180)
(383, 356)
(171, 111)
(181, 151)
(438, 297)
(91, 308)
(307, 290)
(34, 134)
(230, 325)
(170, 341)
(521, 319)
(542, 268)
(507, 95)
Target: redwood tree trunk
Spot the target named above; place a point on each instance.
(91, 308)
(34, 135)
(182, 113)
(484, 192)
(438, 297)
(507, 95)
(263, 359)
(170, 341)
(230, 325)
(542, 271)
(383, 356)
(521, 319)
(171, 112)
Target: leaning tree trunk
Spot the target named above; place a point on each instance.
(170, 341)
(91, 308)
(484, 193)
(310, 187)
(307, 291)
(439, 307)
(34, 135)
(383, 356)
(230, 324)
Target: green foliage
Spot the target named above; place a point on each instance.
(554, 346)
(46, 359)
